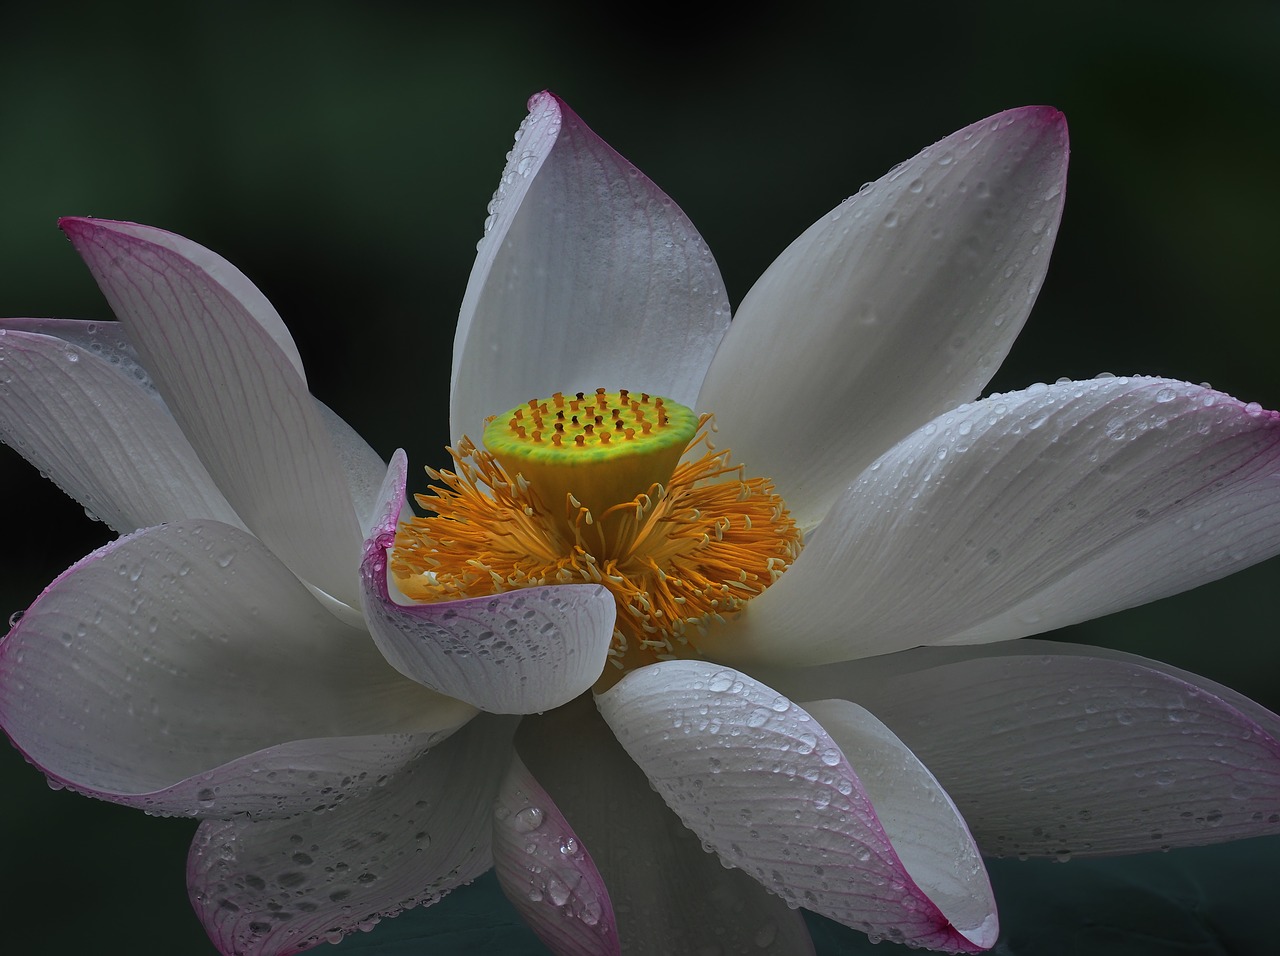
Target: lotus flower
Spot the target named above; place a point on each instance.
(284, 651)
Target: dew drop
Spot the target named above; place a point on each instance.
(530, 818)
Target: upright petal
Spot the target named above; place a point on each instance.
(899, 304)
(588, 275)
(100, 434)
(184, 669)
(668, 894)
(759, 779)
(281, 886)
(1057, 749)
(229, 374)
(364, 467)
(1025, 512)
(521, 652)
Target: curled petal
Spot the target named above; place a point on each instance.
(669, 895)
(547, 873)
(578, 242)
(82, 418)
(760, 780)
(1054, 749)
(185, 670)
(229, 374)
(263, 888)
(520, 652)
(899, 304)
(1025, 512)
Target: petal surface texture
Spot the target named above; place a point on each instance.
(546, 872)
(897, 305)
(760, 780)
(1058, 749)
(184, 669)
(1025, 512)
(588, 275)
(669, 895)
(264, 888)
(99, 433)
(235, 389)
(520, 652)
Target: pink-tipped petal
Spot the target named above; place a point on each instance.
(520, 652)
(759, 779)
(185, 670)
(547, 873)
(220, 274)
(234, 386)
(275, 887)
(81, 418)
(578, 240)
(668, 894)
(1056, 749)
(897, 305)
(1025, 512)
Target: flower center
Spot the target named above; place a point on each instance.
(591, 488)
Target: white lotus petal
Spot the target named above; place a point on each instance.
(520, 652)
(218, 271)
(279, 886)
(757, 778)
(588, 275)
(235, 391)
(99, 435)
(927, 831)
(106, 340)
(1025, 512)
(363, 467)
(546, 872)
(669, 895)
(899, 304)
(1057, 749)
(161, 670)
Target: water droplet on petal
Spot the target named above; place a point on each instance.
(530, 818)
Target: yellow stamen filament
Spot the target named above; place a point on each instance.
(676, 556)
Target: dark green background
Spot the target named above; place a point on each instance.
(342, 155)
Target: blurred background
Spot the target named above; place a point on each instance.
(342, 156)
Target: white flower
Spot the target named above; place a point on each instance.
(218, 662)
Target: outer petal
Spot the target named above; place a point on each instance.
(548, 875)
(668, 894)
(516, 653)
(1055, 748)
(898, 305)
(100, 435)
(106, 340)
(282, 886)
(1025, 512)
(226, 369)
(185, 670)
(587, 275)
(759, 779)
